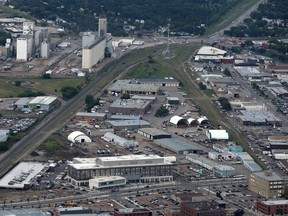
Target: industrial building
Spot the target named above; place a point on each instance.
(129, 106)
(127, 124)
(45, 49)
(135, 168)
(173, 100)
(78, 137)
(153, 133)
(106, 182)
(267, 184)
(125, 117)
(113, 138)
(179, 121)
(93, 53)
(166, 81)
(91, 116)
(178, 146)
(212, 54)
(43, 102)
(131, 87)
(217, 134)
(24, 212)
(141, 97)
(24, 48)
(132, 212)
(23, 175)
(219, 170)
(4, 135)
(259, 118)
(272, 207)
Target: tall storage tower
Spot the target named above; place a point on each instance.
(102, 26)
(28, 28)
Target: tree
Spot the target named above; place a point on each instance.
(225, 103)
(227, 72)
(46, 76)
(202, 86)
(125, 96)
(162, 111)
(68, 92)
(18, 83)
(89, 101)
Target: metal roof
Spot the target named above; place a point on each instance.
(23, 212)
(96, 114)
(153, 131)
(273, 177)
(126, 117)
(44, 100)
(210, 51)
(177, 145)
(130, 103)
(128, 123)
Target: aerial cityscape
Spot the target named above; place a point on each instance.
(143, 108)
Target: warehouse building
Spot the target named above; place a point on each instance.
(78, 137)
(113, 138)
(212, 54)
(128, 107)
(43, 102)
(23, 175)
(179, 121)
(141, 97)
(23, 102)
(106, 182)
(131, 87)
(166, 81)
(267, 184)
(218, 170)
(178, 146)
(135, 168)
(259, 118)
(24, 212)
(125, 117)
(91, 116)
(217, 134)
(132, 212)
(127, 124)
(173, 100)
(153, 133)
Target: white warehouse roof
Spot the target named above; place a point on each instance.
(210, 51)
(177, 119)
(78, 136)
(44, 100)
(217, 134)
(110, 137)
(202, 120)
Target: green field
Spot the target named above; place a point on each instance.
(232, 15)
(48, 86)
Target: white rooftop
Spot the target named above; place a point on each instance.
(21, 175)
(45, 100)
(275, 202)
(208, 50)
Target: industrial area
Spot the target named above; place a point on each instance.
(121, 157)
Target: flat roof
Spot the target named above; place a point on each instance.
(130, 103)
(108, 178)
(44, 100)
(127, 85)
(140, 97)
(273, 177)
(209, 50)
(96, 114)
(279, 90)
(177, 145)
(257, 116)
(23, 101)
(153, 131)
(158, 80)
(22, 174)
(23, 212)
(275, 202)
(128, 123)
(126, 117)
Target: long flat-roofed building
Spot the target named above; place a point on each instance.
(43, 102)
(153, 133)
(166, 81)
(128, 86)
(259, 118)
(272, 207)
(130, 106)
(91, 116)
(23, 175)
(134, 124)
(135, 168)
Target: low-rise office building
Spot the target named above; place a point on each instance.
(272, 207)
(106, 182)
(267, 184)
(135, 168)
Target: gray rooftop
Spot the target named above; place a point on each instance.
(158, 80)
(96, 114)
(273, 177)
(153, 131)
(127, 85)
(126, 117)
(257, 116)
(177, 145)
(127, 123)
(23, 212)
(130, 103)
